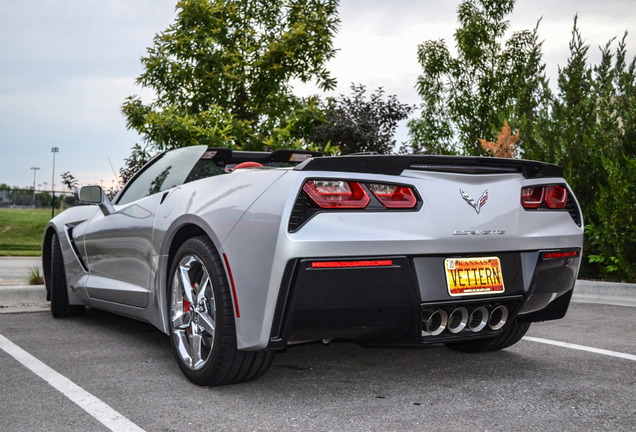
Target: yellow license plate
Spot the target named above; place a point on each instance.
(473, 276)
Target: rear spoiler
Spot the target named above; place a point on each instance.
(396, 164)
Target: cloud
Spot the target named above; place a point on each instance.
(67, 66)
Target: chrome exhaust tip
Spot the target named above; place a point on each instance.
(498, 317)
(478, 319)
(436, 322)
(457, 320)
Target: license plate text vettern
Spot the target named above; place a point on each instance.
(473, 276)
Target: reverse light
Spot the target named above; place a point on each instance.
(337, 194)
(393, 196)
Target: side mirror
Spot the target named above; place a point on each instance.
(94, 195)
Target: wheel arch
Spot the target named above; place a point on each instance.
(183, 229)
(183, 234)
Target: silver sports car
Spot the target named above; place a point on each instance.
(236, 255)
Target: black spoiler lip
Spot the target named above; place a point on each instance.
(396, 164)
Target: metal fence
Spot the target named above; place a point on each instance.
(30, 199)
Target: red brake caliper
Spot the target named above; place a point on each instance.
(186, 307)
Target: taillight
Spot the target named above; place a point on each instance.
(554, 197)
(393, 196)
(531, 197)
(337, 193)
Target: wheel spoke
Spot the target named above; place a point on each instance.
(186, 283)
(181, 321)
(196, 347)
(182, 347)
(203, 286)
(206, 322)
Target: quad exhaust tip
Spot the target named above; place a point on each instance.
(498, 317)
(478, 319)
(474, 320)
(436, 322)
(458, 320)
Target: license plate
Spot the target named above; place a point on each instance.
(473, 276)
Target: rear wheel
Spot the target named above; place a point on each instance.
(56, 282)
(202, 328)
(510, 336)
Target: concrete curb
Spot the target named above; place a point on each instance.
(611, 293)
(14, 298)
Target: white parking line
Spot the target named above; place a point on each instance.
(582, 348)
(89, 403)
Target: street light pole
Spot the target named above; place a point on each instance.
(53, 150)
(35, 169)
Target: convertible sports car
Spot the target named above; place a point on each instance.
(235, 255)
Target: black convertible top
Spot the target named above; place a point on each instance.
(224, 156)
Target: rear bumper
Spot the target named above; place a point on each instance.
(404, 300)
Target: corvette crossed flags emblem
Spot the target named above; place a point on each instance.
(476, 205)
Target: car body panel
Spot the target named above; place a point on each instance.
(120, 262)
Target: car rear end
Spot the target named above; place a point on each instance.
(408, 250)
(447, 249)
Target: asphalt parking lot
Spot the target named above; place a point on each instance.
(101, 372)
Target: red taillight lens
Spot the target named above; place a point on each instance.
(531, 197)
(393, 196)
(556, 197)
(337, 194)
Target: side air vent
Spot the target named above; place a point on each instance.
(573, 210)
(303, 210)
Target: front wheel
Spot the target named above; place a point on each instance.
(202, 328)
(56, 283)
(510, 336)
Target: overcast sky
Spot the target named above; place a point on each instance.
(66, 67)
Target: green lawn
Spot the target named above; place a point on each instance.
(21, 231)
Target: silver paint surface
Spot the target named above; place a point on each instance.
(246, 213)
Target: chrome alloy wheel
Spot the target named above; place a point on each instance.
(192, 312)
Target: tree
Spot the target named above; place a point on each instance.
(222, 72)
(357, 124)
(468, 97)
(574, 117)
(137, 159)
(610, 228)
(69, 180)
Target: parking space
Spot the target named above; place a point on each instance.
(129, 367)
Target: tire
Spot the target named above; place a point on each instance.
(60, 307)
(201, 320)
(510, 336)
